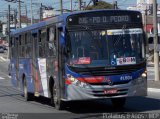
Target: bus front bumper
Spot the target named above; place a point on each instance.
(133, 88)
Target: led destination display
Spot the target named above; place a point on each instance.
(105, 17)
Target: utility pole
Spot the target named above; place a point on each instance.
(146, 36)
(8, 55)
(156, 52)
(26, 13)
(79, 4)
(31, 12)
(71, 6)
(115, 5)
(19, 10)
(95, 2)
(40, 13)
(61, 6)
(15, 18)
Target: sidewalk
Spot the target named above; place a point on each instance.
(153, 84)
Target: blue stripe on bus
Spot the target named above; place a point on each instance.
(114, 78)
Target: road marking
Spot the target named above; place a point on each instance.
(2, 59)
(1, 78)
(150, 73)
(150, 69)
(154, 90)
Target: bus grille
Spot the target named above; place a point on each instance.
(114, 83)
(107, 71)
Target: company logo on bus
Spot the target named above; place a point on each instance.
(109, 82)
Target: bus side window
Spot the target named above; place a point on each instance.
(12, 47)
(41, 43)
(28, 47)
(51, 45)
(20, 46)
(10, 42)
(23, 46)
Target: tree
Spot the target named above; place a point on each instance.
(100, 5)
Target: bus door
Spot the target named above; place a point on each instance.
(17, 42)
(61, 60)
(34, 63)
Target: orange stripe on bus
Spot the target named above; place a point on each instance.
(37, 81)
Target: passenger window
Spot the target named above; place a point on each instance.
(42, 39)
(51, 45)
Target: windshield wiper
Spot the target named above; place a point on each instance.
(118, 39)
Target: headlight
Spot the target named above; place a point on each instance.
(144, 75)
(140, 79)
(76, 82)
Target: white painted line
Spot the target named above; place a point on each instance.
(2, 59)
(1, 78)
(154, 90)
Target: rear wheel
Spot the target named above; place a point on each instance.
(27, 96)
(58, 103)
(118, 102)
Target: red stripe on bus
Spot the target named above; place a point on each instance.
(67, 81)
(96, 79)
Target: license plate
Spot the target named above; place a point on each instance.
(111, 91)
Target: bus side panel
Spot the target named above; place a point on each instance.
(25, 69)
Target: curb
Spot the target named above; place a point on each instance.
(154, 90)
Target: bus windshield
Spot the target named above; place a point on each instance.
(97, 48)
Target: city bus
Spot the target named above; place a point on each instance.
(87, 55)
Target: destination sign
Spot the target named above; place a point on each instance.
(105, 17)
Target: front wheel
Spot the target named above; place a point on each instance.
(118, 102)
(58, 103)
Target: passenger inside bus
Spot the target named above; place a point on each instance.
(123, 47)
(89, 44)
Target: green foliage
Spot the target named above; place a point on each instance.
(100, 5)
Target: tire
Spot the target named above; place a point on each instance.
(118, 102)
(56, 98)
(27, 96)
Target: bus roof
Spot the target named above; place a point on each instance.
(62, 18)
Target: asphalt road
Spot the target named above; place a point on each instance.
(11, 101)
